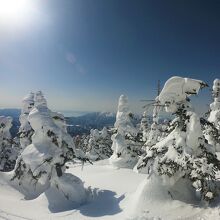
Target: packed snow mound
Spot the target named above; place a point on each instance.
(65, 193)
(151, 194)
(177, 89)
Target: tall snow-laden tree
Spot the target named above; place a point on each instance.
(99, 146)
(212, 125)
(25, 130)
(41, 165)
(183, 160)
(7, 153)
(126, 142)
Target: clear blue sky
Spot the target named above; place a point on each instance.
(84, 53)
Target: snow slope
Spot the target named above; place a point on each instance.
(115, 197)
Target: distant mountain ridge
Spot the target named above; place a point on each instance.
(77, 125)
(83, 124)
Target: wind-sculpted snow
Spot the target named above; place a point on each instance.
(177, 89)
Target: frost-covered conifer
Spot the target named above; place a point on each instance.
(145, 126)
(155, 129)
(212, 126)
(99, 146)
(183, 161)
(126, 142)
(25, 130)
(82, 142)
(41, 165)
(214, 116)
(7, 152)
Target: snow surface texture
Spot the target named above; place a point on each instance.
(41, 165)
(125, 149)
(119, 196)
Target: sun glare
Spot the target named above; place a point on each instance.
(14, 10)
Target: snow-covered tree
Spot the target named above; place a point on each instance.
(155, 129)
(214, 116)
(212, 125)
(8, 153)
(82, 142)
(183, 160)
(41, 165)
(99, 146)
(25, 130)
(145, 126)
(126, 142)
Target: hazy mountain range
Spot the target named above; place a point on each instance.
(82, 123)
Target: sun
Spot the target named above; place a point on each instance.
(14, 10)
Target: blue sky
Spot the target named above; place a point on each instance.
(84, 53)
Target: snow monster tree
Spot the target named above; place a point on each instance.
(126, 142)
(183, 161)
(41, 165)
